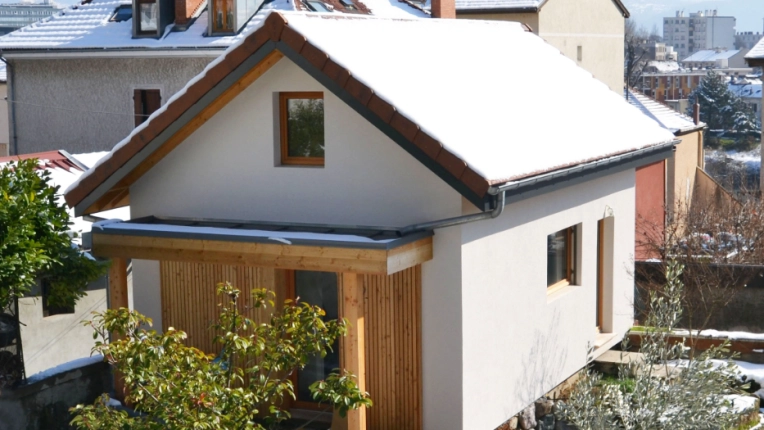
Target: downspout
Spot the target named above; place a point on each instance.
(11, 107)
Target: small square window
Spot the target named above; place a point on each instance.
(148, 12)
(48, 310)
(561, 259)
(301, 120)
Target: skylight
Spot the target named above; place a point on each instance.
(123, 13)
(317, 6)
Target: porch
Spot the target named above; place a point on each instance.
(369, 275)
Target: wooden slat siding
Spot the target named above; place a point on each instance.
(392, 307)
(189, 301)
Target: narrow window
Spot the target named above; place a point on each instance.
(48, 310)
(148, 12)
(145, 102)
(560, 258)
(222, 16)
(301, 120)
(580, 53)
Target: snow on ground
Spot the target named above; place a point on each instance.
(65, 367)
(731, 335)
(750, 159)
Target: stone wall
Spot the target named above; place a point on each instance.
(44, 404)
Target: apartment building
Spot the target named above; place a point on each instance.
(698, 31)
(747, 39)
(16, 15)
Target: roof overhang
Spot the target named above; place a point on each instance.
(369, 250)
(755, 62)
(48, 54)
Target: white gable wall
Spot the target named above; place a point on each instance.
(518, 342)
(227, 169)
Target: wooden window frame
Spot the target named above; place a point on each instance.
(570, 259)
(139, 31)
(140, 97)
(213, 14)
(600, 274)
(286, 159)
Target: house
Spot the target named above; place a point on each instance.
(664, 86)
(476, 246)
(749, 90)
(672, 185)
(111, 71)
(716, 59)
(755, 58)
(590, 32)
(51, 336)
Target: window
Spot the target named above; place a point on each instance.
(223, 16)
(148, 12)
(123, 13)
(561, 259)
(580, 53)
(317, 6)
(301, 125)
(48, 310)
(145, 102)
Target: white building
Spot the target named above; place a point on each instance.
(519, 245)
(698, 31)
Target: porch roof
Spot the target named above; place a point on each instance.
(360, 249)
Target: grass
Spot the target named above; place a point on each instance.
(626, 384)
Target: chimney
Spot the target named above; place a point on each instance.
(696, 113)
(443, 8)
(184, 10)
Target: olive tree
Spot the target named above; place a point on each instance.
(174, 386)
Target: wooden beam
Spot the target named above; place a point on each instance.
(277, 255)
(118, 299)
(353, 348)
(107, 201)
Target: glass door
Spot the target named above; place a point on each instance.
(320, 289)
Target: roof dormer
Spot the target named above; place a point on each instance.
(151, 17)
(229, 16)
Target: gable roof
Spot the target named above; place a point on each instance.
(88, 27)
(676, 122)
(755, 56)
(710, 55)
(513, 6)
(474, 122)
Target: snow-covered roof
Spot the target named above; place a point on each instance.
(668, 118)
(710, 55)
(513, 6)
(746, 90)
(757, 52)
(663, 66)
(475, 107)
(88, 26)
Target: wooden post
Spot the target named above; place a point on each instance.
(353, 348)
(118, 299)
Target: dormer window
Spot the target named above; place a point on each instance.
(223, 16)
(317, 6)
(148, 14)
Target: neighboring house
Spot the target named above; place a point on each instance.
(463, 310)
(698, 31)
(590, 32)
(3, 111)
(52, 336)
(716, 59)
(749, 90)
(677, 85)
(755, 58)
(673, 184)
(111, 71)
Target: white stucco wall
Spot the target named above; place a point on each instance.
(519, 342)
(227, 169)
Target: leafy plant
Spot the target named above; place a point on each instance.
(666, 389)
(174, 386)
(34, 239)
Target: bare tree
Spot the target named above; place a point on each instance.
(720, 242)
(635, 52)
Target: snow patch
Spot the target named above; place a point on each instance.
(65, 367)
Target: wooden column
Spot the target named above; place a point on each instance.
(118, 299)
(353, 348)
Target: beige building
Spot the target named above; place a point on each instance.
(589, 32)
(755, 58)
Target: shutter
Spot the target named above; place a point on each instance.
(138, 106)
(153, 101)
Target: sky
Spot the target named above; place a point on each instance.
(749, 13)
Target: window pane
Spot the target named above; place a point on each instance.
(305, 127)
(320, 289)
(557, 257)
(148, 16)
